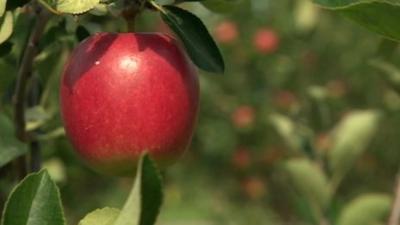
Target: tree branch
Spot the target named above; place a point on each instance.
(394, 218)
(24, 72)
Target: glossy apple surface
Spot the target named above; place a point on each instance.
(124, 94)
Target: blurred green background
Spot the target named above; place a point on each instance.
(302, 127)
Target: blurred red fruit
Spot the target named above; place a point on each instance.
(241, 159)
(243, 116)
(272, 155)
(226, 32)
(266, 41)
(309, 59)
(336, 88)
(323, 142)
(367, 163)
(285, 100)
(254, 188)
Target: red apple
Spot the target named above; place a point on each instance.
(266, 41)
(226, 32)
(124, 94)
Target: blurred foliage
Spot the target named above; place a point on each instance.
(304, 121)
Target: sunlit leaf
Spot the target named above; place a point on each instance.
(35, 117)
(3, 4)
(309, 180)
(369, 209)
(105, 216)
(6, 28)
(70, 6)
(350, 139)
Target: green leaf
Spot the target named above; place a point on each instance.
(10, 147)
(70, 6)
(198, 42)
(34, 201)
(36, 117)
(380, 16)
(3, 4)
(6, 28)
(369, 209)
(295, 135)
(309, 180)
(58, 132)
(350, 139)
(143, 204)
(105, 216)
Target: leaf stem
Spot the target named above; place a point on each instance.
(131, 11)
(158, 7)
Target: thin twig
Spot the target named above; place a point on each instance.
(394, 218)
(23, 76)
(36, 159)
(24, 72)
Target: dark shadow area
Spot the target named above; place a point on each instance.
(162, 40)
(85, 56)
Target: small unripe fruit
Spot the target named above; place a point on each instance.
(125, 94)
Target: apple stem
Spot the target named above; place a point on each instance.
(131, 11)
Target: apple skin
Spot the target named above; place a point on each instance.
(126, 94)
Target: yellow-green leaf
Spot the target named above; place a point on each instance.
(105, 216)
(369, 209)
(6, 27)
(350, 139)
(309, 180)
(3, 4)
(76, 6)
(70, 6)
